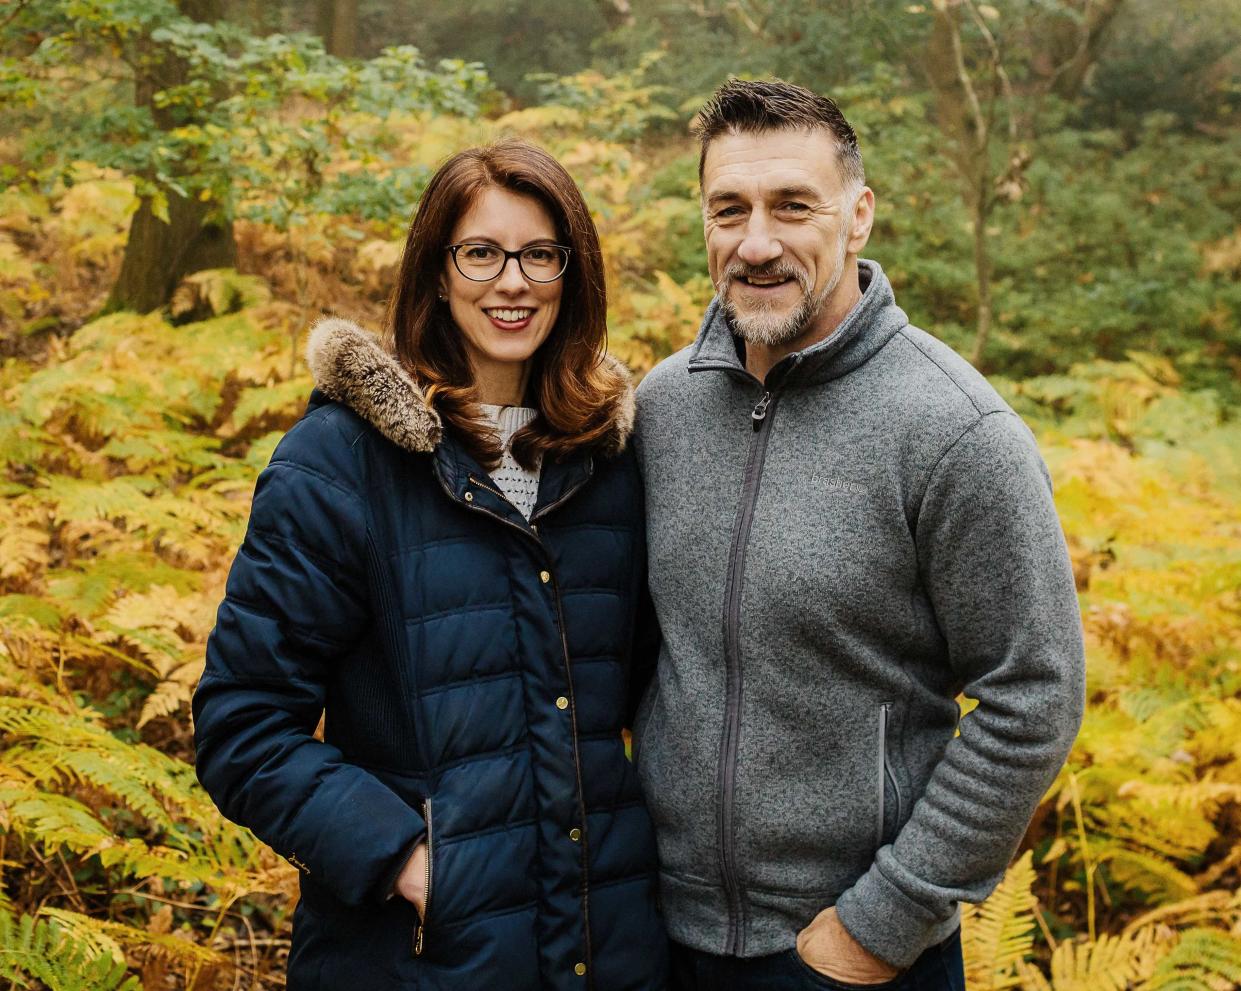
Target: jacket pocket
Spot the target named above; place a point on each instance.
(888, 791)
(421, 930)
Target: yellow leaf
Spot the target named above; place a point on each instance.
(159, 205)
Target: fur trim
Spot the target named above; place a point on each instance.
(353, 367)
(624, 411)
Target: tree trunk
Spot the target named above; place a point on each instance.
(982, 273)
(1073, 46)
(338, 26)
(159, 255)
(616, 13)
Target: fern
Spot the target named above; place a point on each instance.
(105, 936)
(1110, 963)
(58, 750)
(999, 933)
(1202, 960)
(41, 951)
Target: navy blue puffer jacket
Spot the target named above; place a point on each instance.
(475, 671)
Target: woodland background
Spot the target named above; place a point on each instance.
(186, 186)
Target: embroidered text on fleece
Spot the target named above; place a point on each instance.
(834, 555)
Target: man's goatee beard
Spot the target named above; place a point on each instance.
(766, 328)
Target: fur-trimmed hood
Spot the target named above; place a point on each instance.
(353, 367)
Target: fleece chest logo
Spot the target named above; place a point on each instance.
(836, 484)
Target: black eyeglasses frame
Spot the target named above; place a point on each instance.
(454, 248)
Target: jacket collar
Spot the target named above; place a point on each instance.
(353, 367)
(872, 322)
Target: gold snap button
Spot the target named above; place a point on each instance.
(469, 497)
(579, 969)
(575, 834)
(562, 703)
(546, 576)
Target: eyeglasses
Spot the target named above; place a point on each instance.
(482, 262)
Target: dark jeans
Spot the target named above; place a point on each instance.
(938, 969)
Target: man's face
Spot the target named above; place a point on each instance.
(780, 229)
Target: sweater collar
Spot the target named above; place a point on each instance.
(872, 322)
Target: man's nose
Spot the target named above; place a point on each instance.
(759, 247)
(511, 278)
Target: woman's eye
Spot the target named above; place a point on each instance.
(538, 254)
(480, 252)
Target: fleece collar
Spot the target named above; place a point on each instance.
(872, 322)
(353, 367)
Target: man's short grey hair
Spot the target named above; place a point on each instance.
(742, 106)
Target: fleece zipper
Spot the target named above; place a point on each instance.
(726, 773)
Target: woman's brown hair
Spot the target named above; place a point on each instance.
(575, 393)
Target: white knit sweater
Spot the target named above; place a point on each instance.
(519, 485)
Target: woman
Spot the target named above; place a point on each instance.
(445, 555)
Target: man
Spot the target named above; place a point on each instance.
(847, 528)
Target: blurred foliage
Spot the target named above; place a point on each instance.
(130, 445)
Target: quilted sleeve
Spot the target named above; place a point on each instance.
(295, 603)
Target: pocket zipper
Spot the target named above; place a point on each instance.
(885, 775)
(420, 932)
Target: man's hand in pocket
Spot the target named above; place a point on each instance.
(826, 946)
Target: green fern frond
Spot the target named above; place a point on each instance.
(106, 936)
(282, 402)
(56, 820)
(1202, 960)
(59, 747)
(162, 452)
(1144, 871)
(74, 499)
(41, 951)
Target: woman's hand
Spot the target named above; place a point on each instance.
(411, 883)
(826, 946)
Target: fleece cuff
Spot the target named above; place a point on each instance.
(885, 921)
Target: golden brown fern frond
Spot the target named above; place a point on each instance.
(999, 933)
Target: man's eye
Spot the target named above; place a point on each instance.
(729, 211)
(795, 207)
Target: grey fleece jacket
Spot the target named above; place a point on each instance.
(834, 555)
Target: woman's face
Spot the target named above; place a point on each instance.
(505, 319)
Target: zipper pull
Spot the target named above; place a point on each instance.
(760, 410)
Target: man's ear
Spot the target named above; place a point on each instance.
(863, 221)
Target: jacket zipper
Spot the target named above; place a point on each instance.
(726, 779)
(533, 534)
(489, 488)
(886, 774)
(577, 767)
(420, 932)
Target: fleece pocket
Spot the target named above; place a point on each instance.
(888, 815)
